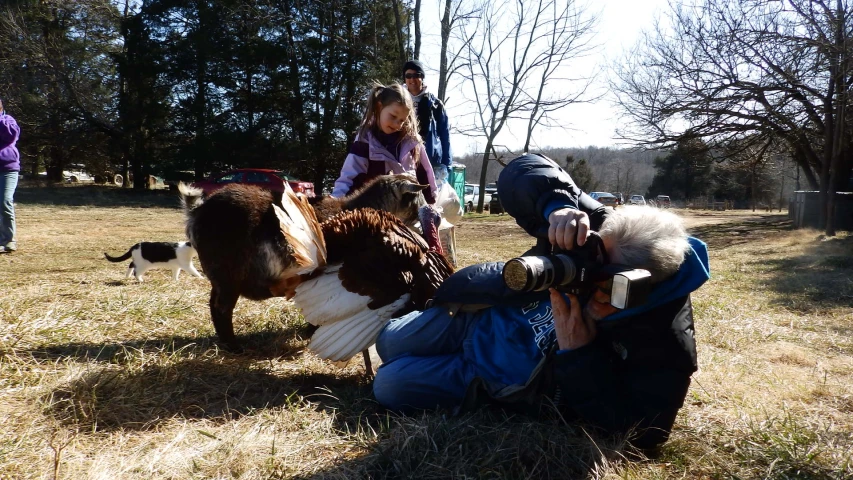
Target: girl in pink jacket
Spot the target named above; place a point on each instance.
(387, 143)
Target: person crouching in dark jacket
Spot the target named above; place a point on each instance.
(623, 371)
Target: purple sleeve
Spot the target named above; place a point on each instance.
(9, 131)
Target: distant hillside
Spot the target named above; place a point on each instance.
(614, 170)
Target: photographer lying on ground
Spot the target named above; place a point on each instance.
(619, 370)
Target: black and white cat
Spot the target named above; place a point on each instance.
(148, 255)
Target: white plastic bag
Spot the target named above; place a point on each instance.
(448, 201)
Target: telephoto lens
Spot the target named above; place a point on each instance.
(538, 273)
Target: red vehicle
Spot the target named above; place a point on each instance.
(272, 180)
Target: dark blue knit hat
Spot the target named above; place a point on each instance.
(414, 65)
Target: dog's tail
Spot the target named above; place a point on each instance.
(191, 197)
(123, 257)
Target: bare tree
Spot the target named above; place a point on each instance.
(569, 38)
(744, 73)
(453, 19)
(519, 46)
(623, 169)
(398, 21)
(417, 18)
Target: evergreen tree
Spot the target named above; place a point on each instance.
(581, 173)
(683, 174)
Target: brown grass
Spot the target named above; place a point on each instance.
(102, 377)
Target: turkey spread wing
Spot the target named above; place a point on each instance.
(383, 259)
(377, 266)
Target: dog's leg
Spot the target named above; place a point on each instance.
(175, 273)
(222, 304)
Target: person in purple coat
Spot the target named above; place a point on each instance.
(10, 166)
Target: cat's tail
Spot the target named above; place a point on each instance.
(191, 197)
(121, 258)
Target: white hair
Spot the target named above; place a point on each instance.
(648, 238)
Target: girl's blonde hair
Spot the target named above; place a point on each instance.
(386, 95)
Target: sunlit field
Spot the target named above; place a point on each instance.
(104, 377)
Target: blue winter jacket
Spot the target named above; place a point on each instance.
(637, 370)
(435, 130)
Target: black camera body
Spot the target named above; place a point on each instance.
(578, 272)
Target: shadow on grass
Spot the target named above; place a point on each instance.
(487, 443)
(108, 399)
(819, 278)
(724, 235)
(480, 445)
(261, 345)
(96, 196)
(138, 384)
(145, 390)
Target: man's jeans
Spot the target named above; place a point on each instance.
(424, 363)
(8, 183)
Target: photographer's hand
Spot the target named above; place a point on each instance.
(568, 227)
(572, 329)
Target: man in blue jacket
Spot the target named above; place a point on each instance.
(432, 120)
(623, 371)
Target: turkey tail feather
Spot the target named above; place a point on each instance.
(343, 339)
(302, 231)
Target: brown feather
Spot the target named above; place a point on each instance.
(383, 258)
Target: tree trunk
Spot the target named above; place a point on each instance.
(445, 38)
(331, 102)
(417, 52)
(481, 201)
(752, 186)
(297, 104)
(398, 20)
(201, 144)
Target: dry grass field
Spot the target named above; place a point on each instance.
(102, 377)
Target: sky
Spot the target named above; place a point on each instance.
(620, 25)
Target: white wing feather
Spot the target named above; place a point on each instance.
(347, 325)
(323, 300)
(343, 339)
(302, 230)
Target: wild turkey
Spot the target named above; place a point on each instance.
(376, 269)
(349, 275)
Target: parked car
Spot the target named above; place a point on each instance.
(495, 206)
(619, 198)
(76, 174)
(269, 179)
(604, 198)
(636, 200)
(663, 201)
(472, 197)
